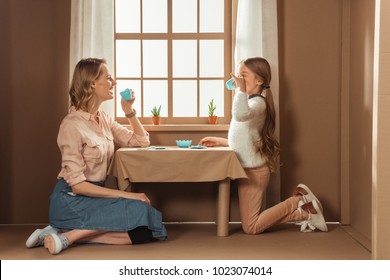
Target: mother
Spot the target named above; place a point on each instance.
(81, 208)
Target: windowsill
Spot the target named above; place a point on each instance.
(187, 127)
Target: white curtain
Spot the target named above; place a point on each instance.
(257, 35)
(91, 35)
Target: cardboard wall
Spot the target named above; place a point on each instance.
(34, 77)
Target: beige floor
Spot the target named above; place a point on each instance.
(199, 242)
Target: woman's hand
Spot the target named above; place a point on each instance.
(138, 196)
(88, 189)
(214, 142)
(137, 127)
(127, 105)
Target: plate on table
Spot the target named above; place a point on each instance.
(198, 147)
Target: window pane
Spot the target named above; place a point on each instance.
(184, 58)
(211, 16)
(155, 94)
(211, 58)
(135, 85)
(128, 58)
(185, 98)
(127, 16)
(154, 16)
(211, 89)
(155, 58)
(184, 19)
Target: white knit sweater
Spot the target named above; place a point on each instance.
(248, 116)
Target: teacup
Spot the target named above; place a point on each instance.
(126, 94)
(230, 85)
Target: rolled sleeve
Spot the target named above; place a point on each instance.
(137, 140)
(127, 138)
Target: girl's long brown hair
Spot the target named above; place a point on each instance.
(86, 71)
(268, 145)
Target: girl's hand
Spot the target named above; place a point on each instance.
(127, 106)
(213, 142)
(239, 81)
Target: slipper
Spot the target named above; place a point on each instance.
(37, 237)
(309, 196)
(315, 221)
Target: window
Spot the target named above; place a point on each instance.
(174, 53)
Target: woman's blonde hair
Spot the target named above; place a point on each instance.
(86, 71)
(268, 145)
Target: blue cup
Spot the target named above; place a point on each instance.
(230, 84)
(126, 94)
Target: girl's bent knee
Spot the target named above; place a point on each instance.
(250, 229)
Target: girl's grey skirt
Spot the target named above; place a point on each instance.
(69, 211)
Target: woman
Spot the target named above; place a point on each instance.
(81, 208)
(251, 135)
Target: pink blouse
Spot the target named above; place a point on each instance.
(87, 146)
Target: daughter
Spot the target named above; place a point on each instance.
(251, 135)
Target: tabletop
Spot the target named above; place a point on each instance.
(173, 164)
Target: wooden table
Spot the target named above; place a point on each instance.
(172, 164)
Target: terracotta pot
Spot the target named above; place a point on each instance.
(156, 120)
(213, 119)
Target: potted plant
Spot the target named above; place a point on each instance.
(156, 115)
(212, 117)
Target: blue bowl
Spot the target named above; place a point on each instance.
(183, 143)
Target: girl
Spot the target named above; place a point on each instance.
(81, 208)
(251, 135)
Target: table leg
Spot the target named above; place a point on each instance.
(223, 207)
